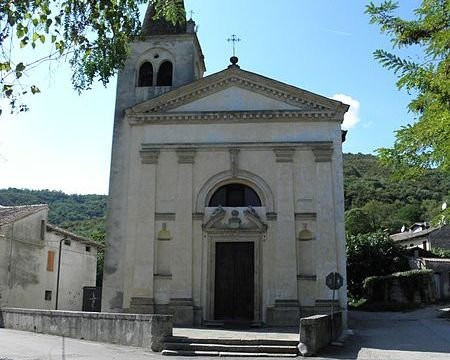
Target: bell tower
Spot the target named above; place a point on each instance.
(166, 57)
(163, 58)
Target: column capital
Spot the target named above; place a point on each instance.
(149, 156)
(323, 154)
(186, 156)
(283, 155)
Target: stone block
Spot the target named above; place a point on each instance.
(284, 313)
(318, 331)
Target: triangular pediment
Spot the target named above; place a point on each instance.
(237, 90)
(235, 98)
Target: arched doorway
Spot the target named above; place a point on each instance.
(234, 256)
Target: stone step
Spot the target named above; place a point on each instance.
(216, 353)
(237, 348)
(230, 341)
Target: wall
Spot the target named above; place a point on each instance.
(146, 331)
(185, 51)
(441, 274)
(441, 238)
(78, 269)
(23, 256)
(409, 287)
(29, 278)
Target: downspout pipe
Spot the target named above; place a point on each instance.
(59, 272)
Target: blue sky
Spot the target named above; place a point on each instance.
(324, 46)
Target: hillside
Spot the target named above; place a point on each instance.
(63, 208)
(376, 202)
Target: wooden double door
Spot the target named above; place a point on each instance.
(234, 281)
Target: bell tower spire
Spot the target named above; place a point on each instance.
(152, 26)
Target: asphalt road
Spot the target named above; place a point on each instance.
(417, 335)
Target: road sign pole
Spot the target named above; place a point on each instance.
(332, 315)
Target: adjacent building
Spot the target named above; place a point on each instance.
(424, 236)
(30, 250)
(226, 191)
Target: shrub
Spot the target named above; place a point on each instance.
(371, 254)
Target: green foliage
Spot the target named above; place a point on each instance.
(426, 143)
(384, 203)
(357, 221)
(62, 207)
(371, 254)
(92, 35)
(441, 253)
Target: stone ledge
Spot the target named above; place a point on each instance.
(146, 331)
(318, 331)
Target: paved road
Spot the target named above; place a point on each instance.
(418, 335)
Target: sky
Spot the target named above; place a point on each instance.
(325, 46)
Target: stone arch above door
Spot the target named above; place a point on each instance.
(242, 177)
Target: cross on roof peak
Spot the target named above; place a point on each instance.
(234, 39)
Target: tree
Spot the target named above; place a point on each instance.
(424, 144)
(372, 254)
(357, 221)
(93, 35)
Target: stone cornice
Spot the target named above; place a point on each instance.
(229, 117)
(284, 155)
(264, 146)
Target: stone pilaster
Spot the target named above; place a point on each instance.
(326, 232)
(142, 294)
(234, 161)
(286, 307)
(181, 300)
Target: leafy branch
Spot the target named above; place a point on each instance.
(426, 143)
(92, 35)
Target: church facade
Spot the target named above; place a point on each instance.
(226, 191)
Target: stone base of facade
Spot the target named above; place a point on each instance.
(183, 311)
(198, 316)
(142, 305)
(283, 313)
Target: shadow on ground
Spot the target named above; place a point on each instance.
(387, 335)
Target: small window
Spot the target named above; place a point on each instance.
(50, 260)
(48, 295)
(67, 242)
(424, 245)
(165, 74)
(145, 75)
(235, 195)
(42, 229)
(88, 249)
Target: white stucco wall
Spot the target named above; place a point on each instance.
(78, 269)
(24, 277)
